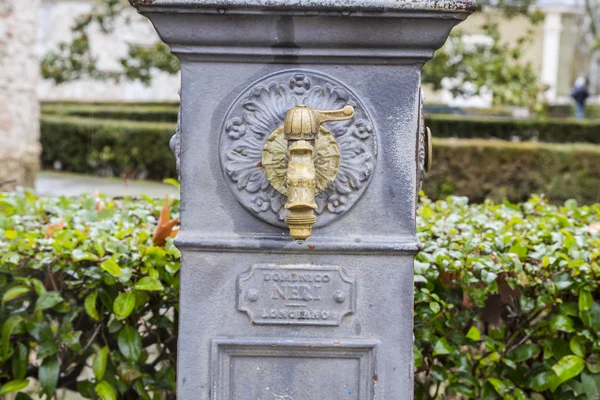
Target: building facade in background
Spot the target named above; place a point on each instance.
(56, 19)
(558, 52)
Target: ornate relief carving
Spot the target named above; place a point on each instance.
(253, 120)
(421, 152)
(175, 141)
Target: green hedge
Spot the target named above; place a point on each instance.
(126, 111)
(442, 125)
(478, 169)
(498, 170)
(568, 110)
(506, 299)
(553, 130)
(139, 149)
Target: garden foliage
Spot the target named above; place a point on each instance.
(506, 299)
(84, 286)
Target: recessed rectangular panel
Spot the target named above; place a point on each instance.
(280, 369)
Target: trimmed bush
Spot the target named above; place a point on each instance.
(498, 170)
(108, 147)
(506, 299)
(131, 112)
(554, 130)
(479, 169)
(568, 110)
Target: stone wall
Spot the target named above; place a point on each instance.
(19, 107)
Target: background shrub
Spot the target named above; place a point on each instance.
(506, 299)
(498, 170)
(549, 130)
(108, 147)
(478, 169)
(153, 112)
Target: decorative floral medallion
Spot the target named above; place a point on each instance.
(255, 120)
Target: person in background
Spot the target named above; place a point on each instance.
(580, 94)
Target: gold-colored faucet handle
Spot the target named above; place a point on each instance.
(302, 122)
(336, 115)
(301, 128)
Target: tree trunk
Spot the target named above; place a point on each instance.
(19, 106)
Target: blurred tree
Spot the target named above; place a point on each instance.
(472, 68)
(74, 60)
(492, 66)
(592, 8)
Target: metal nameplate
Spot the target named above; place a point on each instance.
(299, 294)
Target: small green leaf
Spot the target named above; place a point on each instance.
(577, 345)
(591, 385)
(130, 343)
(90, 305)
(105, 391)
(593, 363)
(545, 261)
(566, 368)
(38, 286)
(124, 305)
(540, 382)
(474, 334)
(14, 386)
(571, 204)
(20, 361)
(14, 292)
(80, 255)
(48, 300)
(112, 268)
(418, 356)
(519, 250)
(524, 352)
(48, 375)
(7, 329)
(10, 234)
(442, 347)
(499, 386)
(435, 307)
(99, 363)
(86, 389)
(586, 300)
(172, 182)
(147, 283)
(562, 323)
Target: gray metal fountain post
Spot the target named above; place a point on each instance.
(302, 152)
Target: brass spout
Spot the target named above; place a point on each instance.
(301, 127)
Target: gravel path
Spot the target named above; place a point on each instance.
(68, 184)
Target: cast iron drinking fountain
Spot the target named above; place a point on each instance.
(302, 147)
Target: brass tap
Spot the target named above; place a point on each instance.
(301, 127)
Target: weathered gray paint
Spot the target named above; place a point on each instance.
(376, 48)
